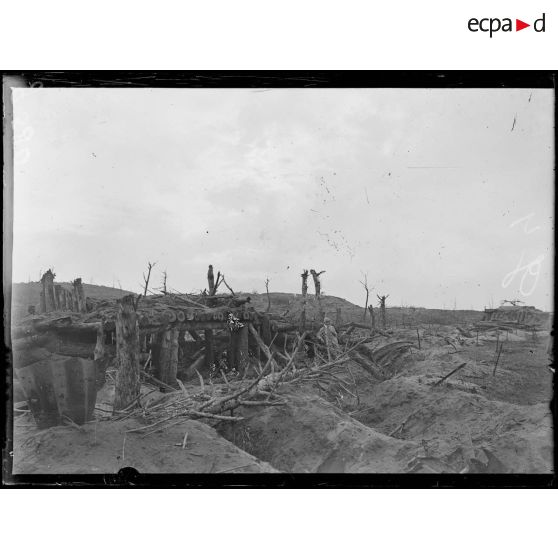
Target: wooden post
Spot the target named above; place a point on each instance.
(497, 359)
(257, 351)
(71, 306)
(337, 318)
(58, 297)
(209, 348)
(79, 302)
(170, 377)
(127, 385)
(99, 356)
(418, 337)
(233, 349)
(242, 348)
(163, 355)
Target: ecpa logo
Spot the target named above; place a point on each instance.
(494, 24)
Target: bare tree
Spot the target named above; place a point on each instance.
(304, 276)
(365, 285)
(164, 288)
(267, 291)
(150, 266)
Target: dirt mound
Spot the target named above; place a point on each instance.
(310, 435)
(457, 426)
(105, 447)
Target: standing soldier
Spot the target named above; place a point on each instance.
(328, 336)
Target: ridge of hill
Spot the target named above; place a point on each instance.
(24, 294)
(291, 304)
(288, 304)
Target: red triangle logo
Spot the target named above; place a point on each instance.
(519, 25)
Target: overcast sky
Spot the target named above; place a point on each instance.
(438, 195)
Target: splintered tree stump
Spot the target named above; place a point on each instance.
(382, 300)
(47, 281)
(127, 385)
(42, 304)
(211, 280)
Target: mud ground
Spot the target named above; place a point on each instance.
(477, 421)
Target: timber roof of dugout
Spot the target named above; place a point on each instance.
(154, 312)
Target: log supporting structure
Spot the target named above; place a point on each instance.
(127, 385)
(149, 332)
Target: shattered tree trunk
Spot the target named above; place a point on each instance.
(209, 342)
(48, 297)
(382, 300)
(372, 318)
(317, 283)
(127, 385)
(211, 280)
(318, 289)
